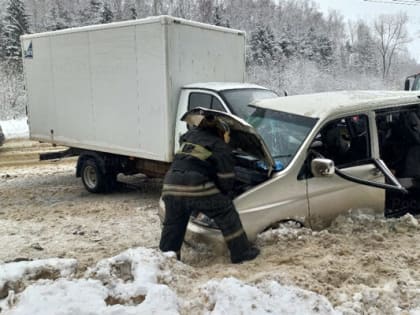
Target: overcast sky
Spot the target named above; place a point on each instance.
(369, 10)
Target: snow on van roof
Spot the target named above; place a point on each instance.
(222, 86)
(321, 105)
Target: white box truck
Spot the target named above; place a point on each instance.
(114, 93)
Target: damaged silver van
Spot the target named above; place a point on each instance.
(309, 158)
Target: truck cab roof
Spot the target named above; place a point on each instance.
(222, 86)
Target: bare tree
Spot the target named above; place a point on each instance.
(157, 7)
(391, 33)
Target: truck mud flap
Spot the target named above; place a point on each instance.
(58, 155)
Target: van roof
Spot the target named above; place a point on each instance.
(322, 105)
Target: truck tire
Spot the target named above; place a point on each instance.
(94, 179)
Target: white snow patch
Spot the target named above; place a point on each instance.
(62, 297)
(375, 300)
(17, 128)
(231, 296)
(86, 297)
(15, 276)
(131, 283)
(116, 289)
(133, 272)
(16, 271)
(285, 231)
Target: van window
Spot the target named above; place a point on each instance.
(204, 100)
(346, 141)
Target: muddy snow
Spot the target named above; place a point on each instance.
(66, 250)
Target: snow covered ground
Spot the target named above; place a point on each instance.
(142, 281)
(136, 282)
(65, 251)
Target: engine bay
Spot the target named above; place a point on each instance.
(249, 172)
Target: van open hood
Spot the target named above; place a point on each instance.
(243, 137)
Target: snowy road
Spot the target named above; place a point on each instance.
(360, 265)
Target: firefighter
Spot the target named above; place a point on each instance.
(201, 179)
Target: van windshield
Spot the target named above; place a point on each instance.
(239, 99)
(283, 133)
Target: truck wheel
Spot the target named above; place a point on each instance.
(94, 180)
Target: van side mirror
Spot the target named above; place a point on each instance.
(407, 85)
(322, 167)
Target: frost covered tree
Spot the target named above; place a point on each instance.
(157, 7)
(324, 51)
(391, 34)
(15, 24)
(287, 44)
(219, 16)
(317, 47)
(180, 8)
(95, 11)
(205, 10)
(133, 13)
(365, 57)
(57, 18)
(106, 16)
(92, 14)
(264, 48)
(1, 40)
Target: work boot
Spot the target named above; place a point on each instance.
(249, 254)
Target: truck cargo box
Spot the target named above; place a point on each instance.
(114, 88)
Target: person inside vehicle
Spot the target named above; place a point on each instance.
(336, 143)
(201, 178)
(408, 168)
(412, 135)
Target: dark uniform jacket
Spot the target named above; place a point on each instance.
(412, 161)
(203, 166)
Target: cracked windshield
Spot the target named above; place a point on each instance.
(283, 133)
